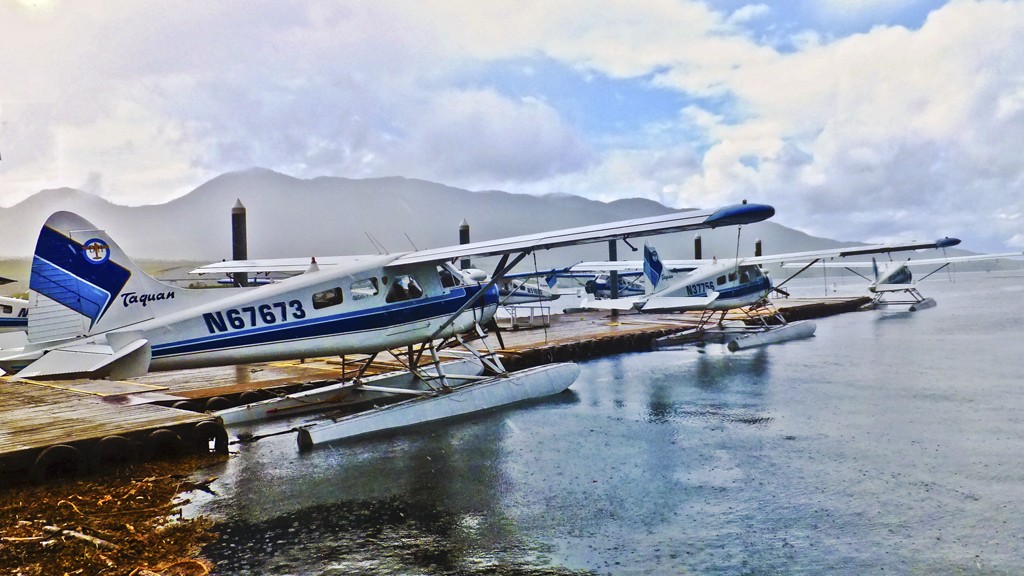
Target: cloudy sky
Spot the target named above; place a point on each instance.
(858, 119)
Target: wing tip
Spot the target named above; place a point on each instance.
(737, 214)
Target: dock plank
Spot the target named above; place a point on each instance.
(34, 416)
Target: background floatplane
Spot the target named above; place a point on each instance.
(718, 286)
(892, 282)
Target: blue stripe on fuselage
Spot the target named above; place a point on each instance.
(760, 285)
(350, 322)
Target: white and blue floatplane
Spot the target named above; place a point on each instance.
(94, 313)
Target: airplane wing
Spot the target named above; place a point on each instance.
(283, 265)
(676, 222)
(849, 251)
(799, 258)
(923, 262)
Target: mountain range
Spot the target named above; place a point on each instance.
(288, 216)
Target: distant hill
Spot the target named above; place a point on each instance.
(293, 217)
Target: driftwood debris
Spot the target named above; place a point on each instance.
(126, 522)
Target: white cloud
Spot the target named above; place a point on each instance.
(748, 13)
(894, 123)
(876, 133)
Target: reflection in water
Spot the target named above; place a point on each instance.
(708, 376)
(428, 500)
(389, 536)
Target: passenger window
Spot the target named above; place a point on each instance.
(366, 288)
(7, 309)
(404, 288)
(331, 297)
(720, 280)
(732, 276)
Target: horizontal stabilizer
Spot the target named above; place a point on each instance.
(678, 303)
(13, 339)
(610, 304)
(91, 360)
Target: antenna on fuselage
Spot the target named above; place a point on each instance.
(380, 247)
(413, 244)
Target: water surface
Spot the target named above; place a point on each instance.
(890, 442)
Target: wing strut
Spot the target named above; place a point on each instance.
(799, 272)
(934, 271)
(858, 273)
(498, 275)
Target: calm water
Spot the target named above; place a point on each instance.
(891, 442)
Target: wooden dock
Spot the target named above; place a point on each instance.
(583, 335)
(68, 428)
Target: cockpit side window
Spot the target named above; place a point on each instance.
(365, 288)
(448, 278)
(404, 288)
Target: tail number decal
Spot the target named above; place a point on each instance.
(699, 289)
(253, 316)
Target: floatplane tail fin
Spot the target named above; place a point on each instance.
(82, 283)
(654, 269)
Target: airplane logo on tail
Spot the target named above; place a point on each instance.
(96, 251)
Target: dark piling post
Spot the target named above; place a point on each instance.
(696, 247)
(464, 239)
(239, 246)
(614, 276)
(757, 247)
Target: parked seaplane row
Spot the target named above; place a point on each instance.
(741, 285)
(95, 314)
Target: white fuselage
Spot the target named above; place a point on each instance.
(736, 286)
(328, 312)
(13, 314)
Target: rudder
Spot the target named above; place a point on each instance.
(653, 267)
(79, 279)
